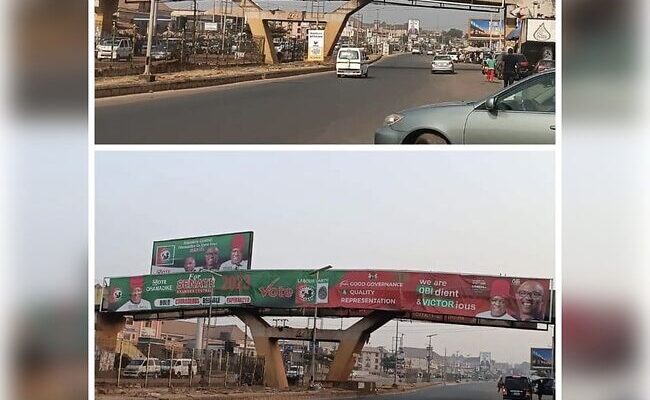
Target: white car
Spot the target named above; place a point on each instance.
(140, 367)
(352, 61)
(115, 49)
(454, 56)
(429, 52)
(442, 63)
(416, 50)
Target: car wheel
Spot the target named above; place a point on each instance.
(430, 138)
(178, 374)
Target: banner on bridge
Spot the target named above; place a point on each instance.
(490, 297)
(229, 251)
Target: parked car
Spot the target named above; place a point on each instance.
(543, 65)
(523, 113)
(547, 385)
(516, 388)
(160, 52)
(416, 50)
(179, 367)
(523, 68)
(115, 49)
(352, 61)
(139, 367)
(453, 55)
(429, 52)
(442, 63)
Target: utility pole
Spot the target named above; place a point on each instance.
(147, 75)
(395, 354)
(313, 347)
(429, 355)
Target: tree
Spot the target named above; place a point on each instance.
(388, 362)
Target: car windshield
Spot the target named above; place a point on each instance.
(349, 55)
(109, 42)
(515, 383)
(436, 58)
(136, 362)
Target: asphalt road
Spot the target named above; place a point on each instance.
(316, 108)
(461, 391)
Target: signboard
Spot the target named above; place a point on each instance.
(484, 29)
(514, 299)
(229, 251)
(538, 30)
(541, 358)
(316, 47)
(414, 27)
(211, 26)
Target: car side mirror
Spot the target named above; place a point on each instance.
(491, 104)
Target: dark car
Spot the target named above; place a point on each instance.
(516, 388)
(523, 67)
(543, 65)
(547, 386)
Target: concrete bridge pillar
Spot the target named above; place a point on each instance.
(335, 21)
(107, 8)
(107, 326)
(352, 341)
(266, 346)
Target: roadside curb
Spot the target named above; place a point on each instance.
(158, 86)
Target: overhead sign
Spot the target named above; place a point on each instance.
(484, 29)
(514, 299)
(414, 27)
(316, 45)
(538, 30)
(541, 358)
(224, 252)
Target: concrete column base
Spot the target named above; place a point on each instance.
(267, 347)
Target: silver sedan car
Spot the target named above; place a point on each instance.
(442, 63)
(523, 113)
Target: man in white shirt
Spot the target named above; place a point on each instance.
(136, 302)
(499, 294)
(236, 261)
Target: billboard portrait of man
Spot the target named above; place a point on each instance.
(136, 302)
(499, 295)
(236, 261)
(189, 265)
(211, 258)
(530, 301)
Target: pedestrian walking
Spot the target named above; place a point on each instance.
(509, 68)
(490, 63)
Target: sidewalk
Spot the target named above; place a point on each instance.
(123, 85)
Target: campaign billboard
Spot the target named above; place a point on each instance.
(316, 45)
(489, 297)
(541, 358)
(484, 29)
(414, 27)
(228, 251)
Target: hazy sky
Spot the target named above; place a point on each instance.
(479, 212)
(430, 19)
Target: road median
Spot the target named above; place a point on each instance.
(120, 86)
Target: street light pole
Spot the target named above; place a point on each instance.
(206, 340)
(313, 344)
